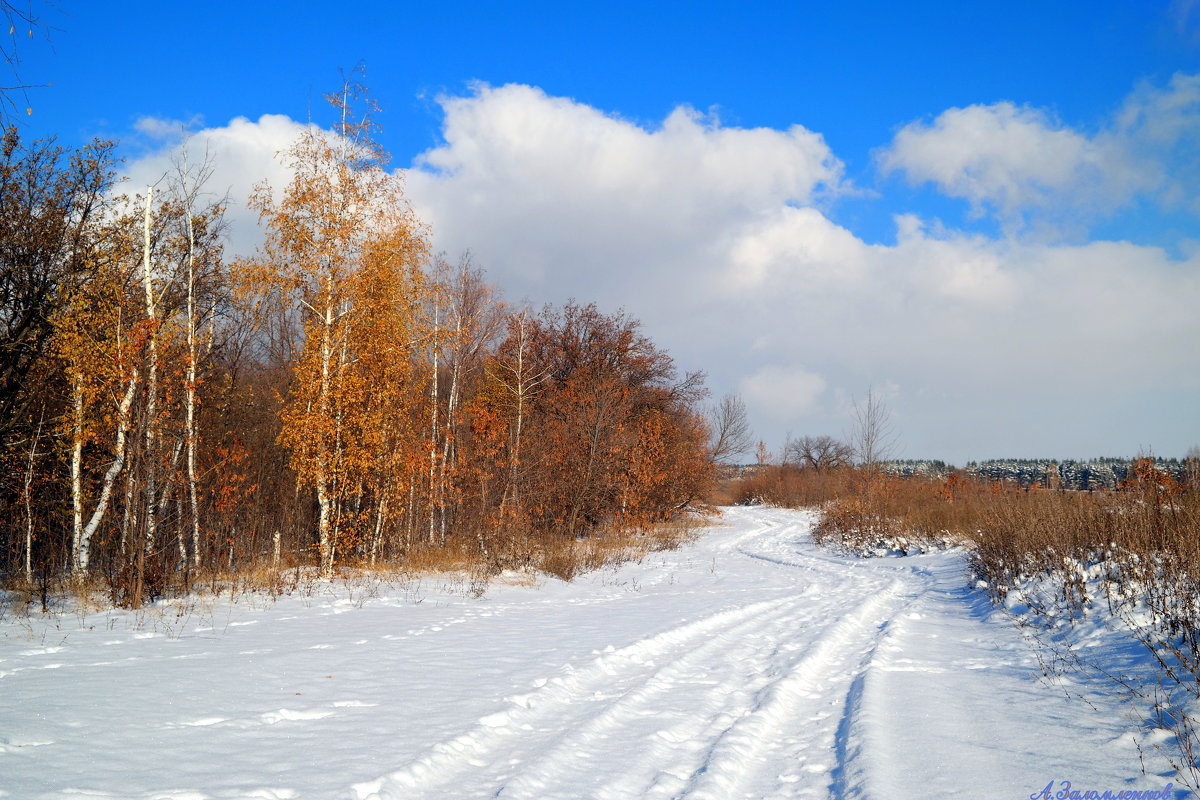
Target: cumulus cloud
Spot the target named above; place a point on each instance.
(1007, 158)
(500, 132)
(563, 192)
(1016, 160)
(799, 244)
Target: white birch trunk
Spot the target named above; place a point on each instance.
(190, 402)
(337, 490)
(151, 439)
(77, 470)
(447, 445)
(29, 502)
(83, 548)
(515, 455)
(433, 424)
(324, 499)
(522, 386)
(410, 513)
(380, 515)
(129, 519)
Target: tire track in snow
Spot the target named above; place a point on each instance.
(744, 751)
(620, 722)
(742, 746)
(929, 673)
(756, 682)
(444, 762)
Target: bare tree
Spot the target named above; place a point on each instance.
(188, 183)
(819, 453)
(730, 427)
(521, 379)
(476, 315)
(873, 436)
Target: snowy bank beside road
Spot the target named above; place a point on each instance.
(749, 663)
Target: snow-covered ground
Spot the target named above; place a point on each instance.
(749, 663)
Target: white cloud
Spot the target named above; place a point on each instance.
(968, 271)
(800, 244)
(1007, 158)
(1163, 125)
(1014, 160)
(517, 132)
(159, 130)
(530, 174)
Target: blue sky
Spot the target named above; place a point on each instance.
(963, 173)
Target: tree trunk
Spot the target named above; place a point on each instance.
(324, 496)
(151, 433)
(433, 425)
(77, 474)
(377, 536)
(190, 433)
(29, 501)
(129, 518)
(83, 543)
(447, 445)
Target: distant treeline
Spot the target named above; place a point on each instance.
(1096, 473)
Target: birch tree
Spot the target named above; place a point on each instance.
(340, 210)
(200, 237)
(521, 377)
(97, 341)
(150, 431)
(473, 319)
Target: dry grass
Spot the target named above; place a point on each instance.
(789, 487)
(864, 511)
(459, 562)
(566, 558)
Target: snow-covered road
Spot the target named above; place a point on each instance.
(749, 663)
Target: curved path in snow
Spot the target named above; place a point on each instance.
(747, 664)
(861, 679)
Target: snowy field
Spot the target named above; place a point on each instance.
(747, 664)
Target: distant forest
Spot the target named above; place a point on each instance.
(1096, 473)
